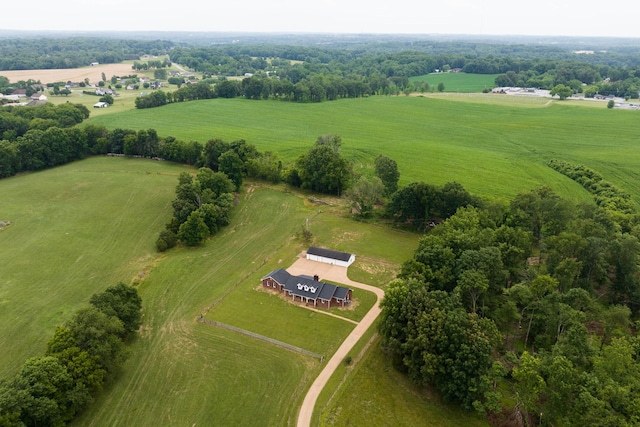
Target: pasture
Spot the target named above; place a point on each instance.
(75, 230)
(79, 228)
(184, 370)
(457, 82)
(494, 150)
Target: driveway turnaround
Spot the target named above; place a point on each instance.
(336, 274)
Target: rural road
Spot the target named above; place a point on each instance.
(336, 274)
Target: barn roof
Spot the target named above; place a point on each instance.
(329, 253)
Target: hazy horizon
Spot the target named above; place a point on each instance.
(403, 17)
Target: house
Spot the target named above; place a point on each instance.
(306, 289)
(22, 93)
(329, 256)
(105, 91)
(38, 97)
(101, 105)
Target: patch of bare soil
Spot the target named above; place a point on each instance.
(94, 74)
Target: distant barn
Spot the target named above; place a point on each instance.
(329, 256)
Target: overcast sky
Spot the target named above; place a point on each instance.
(613, 18)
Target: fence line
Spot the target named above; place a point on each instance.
(262, 338)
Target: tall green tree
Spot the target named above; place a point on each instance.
(387, 171)
(562, 91)
(323, 170)
(194, 230)
(123, 302)
(99, 335)
(232, 166)
(331, 140)
(364, 194)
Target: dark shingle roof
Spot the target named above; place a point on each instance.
(281, 275)
(341, 293)
(329, 253)
(327, 292)
(306, 286)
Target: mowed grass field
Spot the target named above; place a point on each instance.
(81, 227)
(182, 372)
(457, 82)
(494, 150)
(75, 230)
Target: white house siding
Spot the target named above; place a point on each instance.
(331, 260)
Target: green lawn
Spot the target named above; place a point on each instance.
(457, 82)
(493, 150)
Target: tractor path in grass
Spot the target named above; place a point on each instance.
(336, 274)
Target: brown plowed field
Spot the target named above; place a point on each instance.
(70, 74)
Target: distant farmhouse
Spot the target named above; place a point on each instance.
(329, 256)
(307, 289)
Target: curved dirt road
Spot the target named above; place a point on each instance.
(336, 274)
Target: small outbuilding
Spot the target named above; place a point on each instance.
(101, 105)
(329, 256)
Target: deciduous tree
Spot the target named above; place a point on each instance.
(387, 171)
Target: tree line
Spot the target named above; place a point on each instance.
(524, 311)
(84, 354)
(34, 138)
(74, 52)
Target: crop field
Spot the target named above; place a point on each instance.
(94, 74)
(494, 150)
(457, 82)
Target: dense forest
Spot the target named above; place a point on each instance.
(531, 303)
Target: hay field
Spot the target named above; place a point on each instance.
(94, 74)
